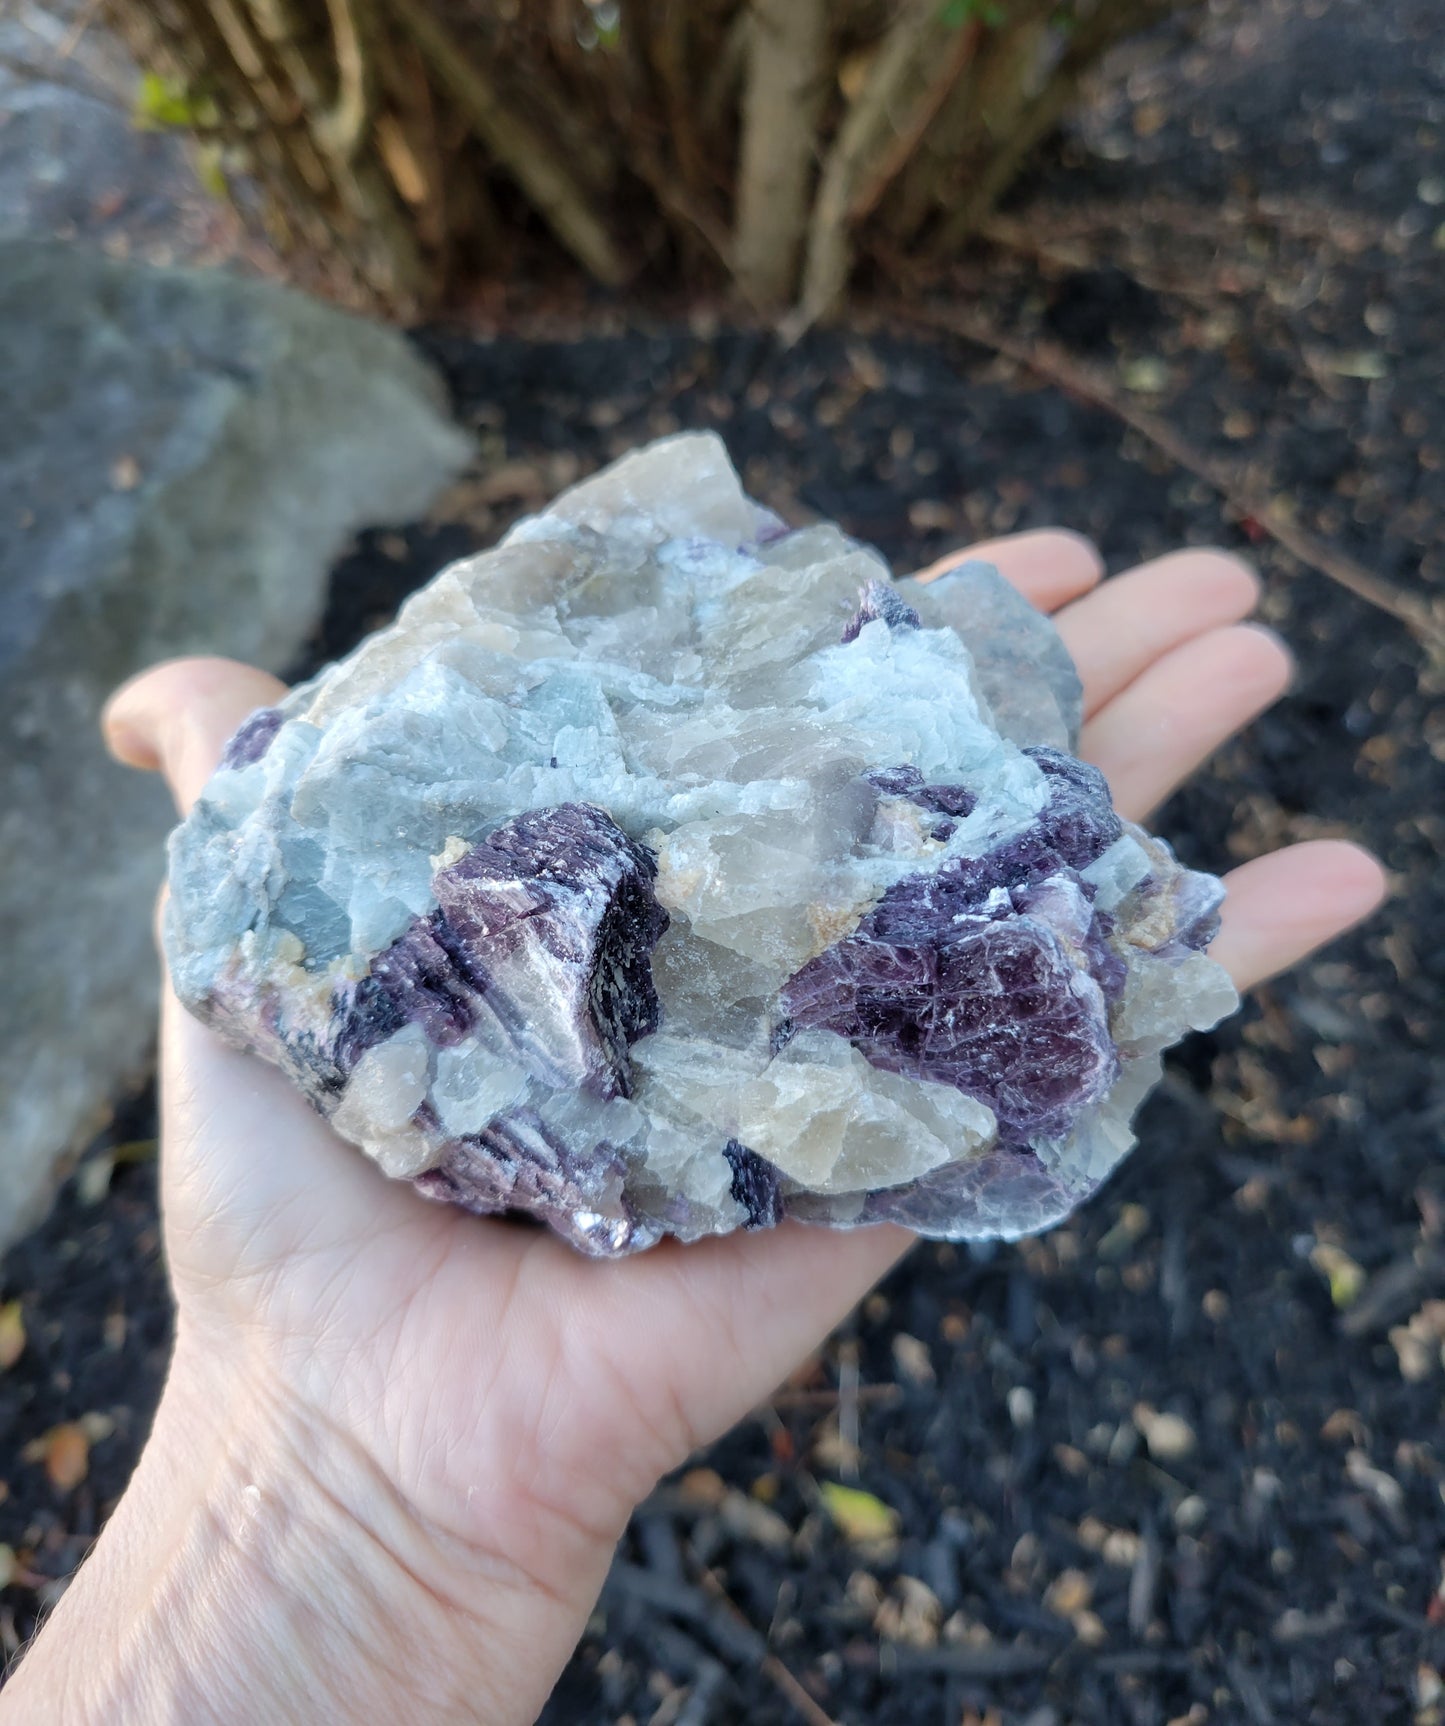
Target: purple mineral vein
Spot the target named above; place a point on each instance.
(880, 599)
(517, 1164)
(1007, 1184)
(252, 738)
(1196, 900)
(909, 782)
(755, 1185)
(965, 976)
(543, 936)
(1078, 821)
(996, 1009)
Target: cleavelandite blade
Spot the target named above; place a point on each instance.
(664, 871)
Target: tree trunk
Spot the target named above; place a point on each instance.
(401, 142)
(897, 74)
(782, 100)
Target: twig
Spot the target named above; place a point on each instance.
(1014, 236)
(802, 1401)
(1048, 363)
(848, 1423)
(343, 127)
(679, 202)
(1214, 225)
(772, 1668)
(73, 37)
(522, 151)
(1394, 1291)
(730, 1633)
(727, 71)
(671, 43)
(829, 249)
(896, 158)
(981, 1663)
(31, 72)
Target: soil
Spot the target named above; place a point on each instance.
(1180, 1460)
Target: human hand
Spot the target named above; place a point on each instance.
(399, 1443)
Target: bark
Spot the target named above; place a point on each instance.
(782, 98)
(900, 67)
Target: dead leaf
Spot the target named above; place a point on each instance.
(1344, 1276)
(96, 1426)
(12, 1334)
(1071, 1591)
(1366, 364)
(1169, 1437)
(911, 1614)
(853, 73)
(134, 1151)
(912, 1359)
(92, 1180)
(746, 1519)
(702, 1489)
(1146, 376)
(65, 1452)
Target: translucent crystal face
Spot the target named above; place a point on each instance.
(663, 871)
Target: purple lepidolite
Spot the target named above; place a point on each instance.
(663, 871)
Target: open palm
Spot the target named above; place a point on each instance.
(508, 1394)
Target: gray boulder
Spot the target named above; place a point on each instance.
(182, 456)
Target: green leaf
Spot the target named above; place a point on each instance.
(954, 14)
(861, 1518)
(161, 103)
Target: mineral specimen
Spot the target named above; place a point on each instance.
(664, 871)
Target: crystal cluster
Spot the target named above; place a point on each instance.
(665, 871)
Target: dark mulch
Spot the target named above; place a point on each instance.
(1280, 1562)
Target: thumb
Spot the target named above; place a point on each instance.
(177, 718)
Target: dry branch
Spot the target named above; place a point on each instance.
(523, 152)
(870, 195)
(866, 133)
(380, 129)
(343, 129)
(1267, 511)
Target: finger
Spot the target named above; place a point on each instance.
(177, 718)
(1117, 633)
(765, 1301)
(1153, 736)
(1280, 908)
(1049, 567)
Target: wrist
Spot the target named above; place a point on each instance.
(260, 1566)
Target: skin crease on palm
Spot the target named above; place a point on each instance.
(469, 1409)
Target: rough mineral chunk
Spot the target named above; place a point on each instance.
(664, 871)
